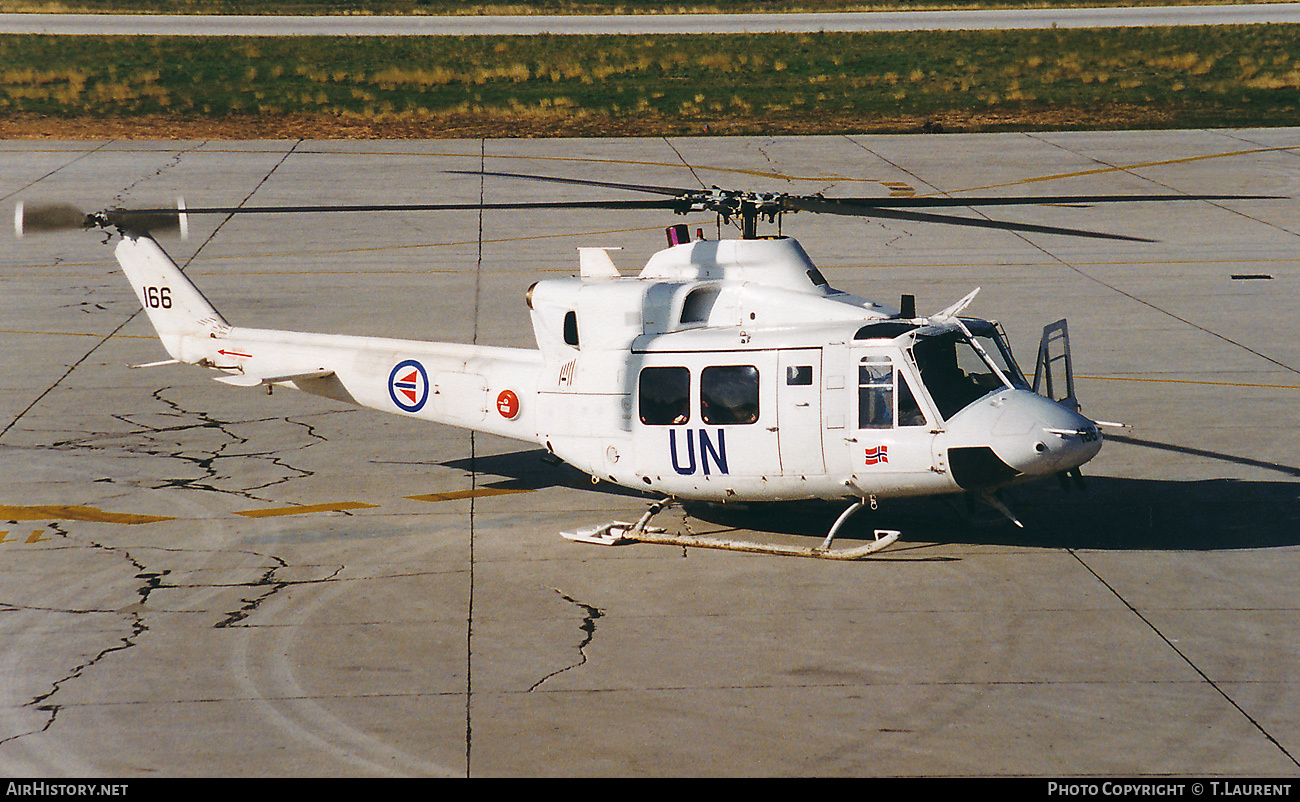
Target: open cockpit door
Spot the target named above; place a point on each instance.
(1054, 374)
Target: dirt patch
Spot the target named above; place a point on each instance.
(305, 126)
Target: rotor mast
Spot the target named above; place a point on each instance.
(731, 204)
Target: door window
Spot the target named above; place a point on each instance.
(875, 393)
(664, 396)
(880, 387)
(799, 375)
(729, 394)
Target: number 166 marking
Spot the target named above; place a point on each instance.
(158, 297)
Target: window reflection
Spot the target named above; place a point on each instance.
(953, 371)
(885, 399)
(665, 396)
(729, 394)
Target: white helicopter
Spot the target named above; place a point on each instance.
(724, 371)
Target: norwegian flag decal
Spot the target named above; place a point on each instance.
(877, 455)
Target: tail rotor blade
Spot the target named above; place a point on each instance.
(145, 220)
(52, 217)
(47, 217)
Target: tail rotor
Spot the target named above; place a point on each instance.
(48, 218)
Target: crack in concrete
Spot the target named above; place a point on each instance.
(206, 464)
(588, 626)
(175, 161)
(210, 476)
(150, 581)
(267, 581)
(137, 628)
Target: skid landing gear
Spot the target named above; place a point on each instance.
(618, 533)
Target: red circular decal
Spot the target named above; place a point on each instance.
(508, 404)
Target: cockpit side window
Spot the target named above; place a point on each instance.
(875, 393)
(909, 411)
(953, 371)
(885, 399)
(664, 396)
(571, 328)
(729, 394)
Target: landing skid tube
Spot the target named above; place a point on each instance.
(618, 533)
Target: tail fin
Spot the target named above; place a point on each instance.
(174, 305)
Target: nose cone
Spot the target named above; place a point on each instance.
(1058, 438)
(1031, 435)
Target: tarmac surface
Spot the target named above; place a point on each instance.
(209, 581)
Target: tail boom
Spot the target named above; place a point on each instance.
(471, 386)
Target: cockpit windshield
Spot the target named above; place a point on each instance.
(955, 373)
(994, 342)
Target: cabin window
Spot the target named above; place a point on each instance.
(729, 394)
(799, 376)
(665, 396)
(571, 328)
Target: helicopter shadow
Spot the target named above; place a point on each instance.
(1112, 513)
(536, 469)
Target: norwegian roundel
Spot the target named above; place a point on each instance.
(408, 386)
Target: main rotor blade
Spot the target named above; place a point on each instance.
(826, 206)
(405, 207)
(909, 203)
(583, 182)
(145, 218)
